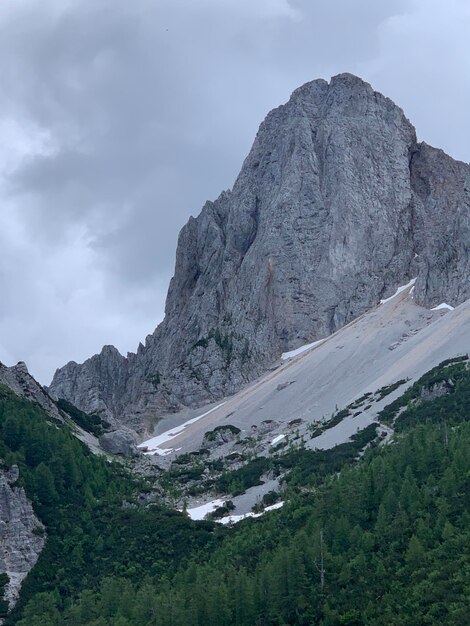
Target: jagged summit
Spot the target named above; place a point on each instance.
(335, 206)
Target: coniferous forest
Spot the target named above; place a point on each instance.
(382, 539)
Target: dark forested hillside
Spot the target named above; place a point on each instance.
(384, 541)
(81, 498)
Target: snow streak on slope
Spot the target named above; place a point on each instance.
(399, 291)
(152, 446)
(297, 351)
(277, 439)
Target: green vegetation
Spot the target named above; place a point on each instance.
(268, 499)
(221, 511)
(309, 467)
(379, 540)
(391, 531)
(449, 374)
(337, 418)
(303, 467)
(190, 457)
(81, 498)
(155, 379)
(211, 435)
(361, 400)
(238, 481)
(91, 423)
(388, 389)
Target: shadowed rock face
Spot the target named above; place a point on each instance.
(21, 533)
(336, 205)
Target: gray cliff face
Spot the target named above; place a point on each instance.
(336, 205)
(441, 206)
(95, 384)
(22, 535)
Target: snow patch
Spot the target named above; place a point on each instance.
(153, 445)
(292, 353)
(234, 519)
(277, 440)
(399, 290)
(273, 507)
(159, 451)
(443, 305)
(199, 512)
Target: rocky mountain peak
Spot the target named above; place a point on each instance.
(109, 351)
(21, 367)
(335, 206)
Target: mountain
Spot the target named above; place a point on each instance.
(320, 309)
(336, 205)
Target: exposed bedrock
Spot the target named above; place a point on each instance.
(335, 206)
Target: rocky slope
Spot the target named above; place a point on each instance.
(22, 535)
(325, 396)
(396, 341)
(20, 381)
(335, 206)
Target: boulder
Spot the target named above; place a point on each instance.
(122, 441)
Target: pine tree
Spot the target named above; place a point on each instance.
(45, 490)
(415, 553)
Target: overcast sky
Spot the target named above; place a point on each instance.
(119, 118)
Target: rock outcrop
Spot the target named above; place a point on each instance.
(95, 384)
(336, 205)
(220, 436)
(20, 381)
(122, 441)
(22, 535)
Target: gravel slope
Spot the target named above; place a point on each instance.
(396, 340)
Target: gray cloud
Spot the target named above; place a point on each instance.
(120, 119)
